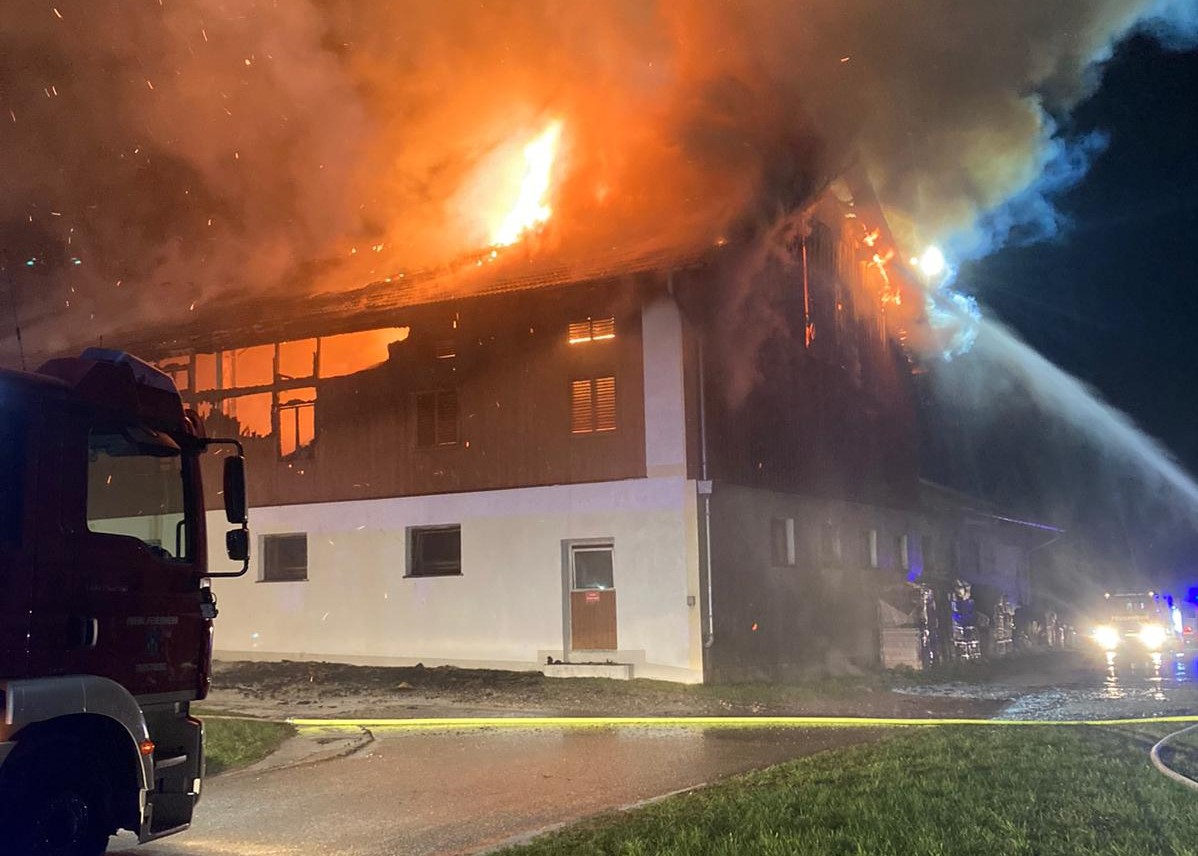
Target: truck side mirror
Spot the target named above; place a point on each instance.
(235, 503)
(237, 544)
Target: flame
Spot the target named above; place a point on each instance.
(532, 205)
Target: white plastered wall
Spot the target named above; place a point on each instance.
(505, 610)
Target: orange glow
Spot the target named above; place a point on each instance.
(350, 353)
(532, 207)
(591, 330)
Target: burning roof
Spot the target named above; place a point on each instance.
(167, 159)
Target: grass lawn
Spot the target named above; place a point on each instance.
(231, 743)
(1048, 791)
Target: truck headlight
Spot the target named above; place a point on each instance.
(1107, 637)
(1153, 636)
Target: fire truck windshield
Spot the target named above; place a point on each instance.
(135, 488)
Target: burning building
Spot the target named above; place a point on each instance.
(692, 465)
(664, 417)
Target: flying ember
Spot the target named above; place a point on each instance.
(532, 205)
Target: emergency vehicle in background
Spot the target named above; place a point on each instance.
(1138, 622)
(105, 607)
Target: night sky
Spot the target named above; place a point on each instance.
(1114, 298)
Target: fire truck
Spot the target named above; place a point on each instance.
(106, 609)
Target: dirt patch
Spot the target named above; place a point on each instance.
(331, 689)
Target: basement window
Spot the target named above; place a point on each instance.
(782, 542)
(593, 405)
(436, 418)
(285, 558)
(902, 546)
(435, 551)
(591, 330)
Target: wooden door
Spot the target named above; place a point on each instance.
(592, 598)
(593, 620)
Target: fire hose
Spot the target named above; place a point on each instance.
(1165, 769)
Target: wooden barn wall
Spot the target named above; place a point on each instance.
(512, 370)
(832, 416)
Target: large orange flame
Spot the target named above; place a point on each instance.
(532, 205)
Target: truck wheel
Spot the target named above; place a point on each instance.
(59, 806)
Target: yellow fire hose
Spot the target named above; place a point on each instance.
(474, 723)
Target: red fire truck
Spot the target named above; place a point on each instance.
(105, 607)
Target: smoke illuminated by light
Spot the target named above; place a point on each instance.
(532, 207)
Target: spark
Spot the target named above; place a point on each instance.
(149, 84)
(13, 115)
(57, 14)
(845, 58)
(204, 33)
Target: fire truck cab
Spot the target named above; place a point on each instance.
(105, 607)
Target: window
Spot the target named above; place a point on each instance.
(435, 551)
(285, 558)
(593, 405)
(436, 418)
(829, 544)
(782, 541)
(297, 422)
(871, 547)
(902, 546)
(135, 489)
(592, 566)
(927, 552)
(591, 330)
(12, 465)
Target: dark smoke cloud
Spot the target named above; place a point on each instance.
(190, 149)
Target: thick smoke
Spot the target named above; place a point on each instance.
(160, 155)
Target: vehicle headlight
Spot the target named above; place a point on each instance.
(1107, 637)
(1153, 636)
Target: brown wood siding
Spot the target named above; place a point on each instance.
(513, 371)
(836, 420)
(593, 620)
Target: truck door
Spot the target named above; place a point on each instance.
(134, 599)
(16, 543)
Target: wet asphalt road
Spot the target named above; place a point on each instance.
(446, 792)
(422, 793)
(1113, 687)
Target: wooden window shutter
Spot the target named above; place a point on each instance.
(447, 417)
(605, 404)
(582, 416)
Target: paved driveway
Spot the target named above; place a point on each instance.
(422, 793)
